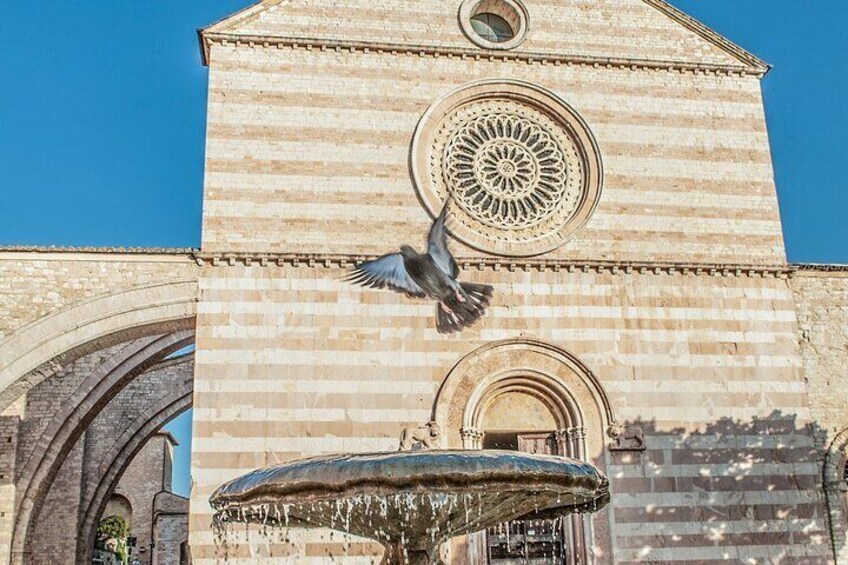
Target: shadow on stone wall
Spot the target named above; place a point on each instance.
(733, 489)
(744, 491)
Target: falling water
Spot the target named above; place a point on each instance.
(412, 503)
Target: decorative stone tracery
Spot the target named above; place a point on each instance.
(508, 167)
(520, 164)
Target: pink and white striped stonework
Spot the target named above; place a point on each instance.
(645, 317)
(674, 300)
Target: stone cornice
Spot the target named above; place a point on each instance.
(820, 270)
(711, 36)
(343, 261)
(502, 264)
(324, 44)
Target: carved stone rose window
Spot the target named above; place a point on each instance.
(521, 166)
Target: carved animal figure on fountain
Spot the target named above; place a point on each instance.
(420, 437)
(626, 438)
(429, 275)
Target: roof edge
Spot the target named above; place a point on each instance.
(751, 62)
(710, 35)
(168, 436)
(227, 22)
(308, 43)
(103, 250)
(821, 268)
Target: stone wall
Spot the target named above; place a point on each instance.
(680, 152)
(48, 543)
(45, 400)
(35, 283)
(170, 528)
(140, 484)
(56, 307)
(9, 425)
(295, 362)
(590, 28)
(53, 539)
(821, 299)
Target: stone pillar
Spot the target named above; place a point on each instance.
(475, 544)
(9, 424)
(572, 443)
(53, 535)
(472, 438)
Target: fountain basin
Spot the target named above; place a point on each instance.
(412, 502)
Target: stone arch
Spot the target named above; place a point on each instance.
(566, 385)
(543, 387)
(836, 494)
(67, 425)
(119, 505)
(37, 350)
(121, 454)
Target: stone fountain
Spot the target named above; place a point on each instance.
(412, 501)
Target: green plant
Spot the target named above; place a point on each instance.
(115, 527)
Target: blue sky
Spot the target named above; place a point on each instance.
(102, 111)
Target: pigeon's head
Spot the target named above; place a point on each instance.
(408, 252)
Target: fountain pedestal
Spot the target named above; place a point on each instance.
(397, 554)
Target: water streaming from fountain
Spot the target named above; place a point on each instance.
(411, 502)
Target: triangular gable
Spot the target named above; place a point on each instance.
(708, 34)
(232, 22)
(641, 31)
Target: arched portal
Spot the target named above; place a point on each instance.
(526, 395)
(554, 377)
(119, 505)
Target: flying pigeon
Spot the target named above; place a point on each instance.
(429, 275)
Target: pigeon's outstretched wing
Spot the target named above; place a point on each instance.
(437, 246)
(386, 272)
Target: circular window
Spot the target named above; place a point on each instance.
(492, 27)
(494, 24)
(521, 166)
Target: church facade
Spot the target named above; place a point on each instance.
(609, 173)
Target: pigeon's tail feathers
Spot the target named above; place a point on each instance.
(446, 322)
(479, 293)
(458, 314)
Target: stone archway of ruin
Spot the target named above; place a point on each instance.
(37, 350)
(835, 487)
(104, 481)
(154, 321)
(67, 426)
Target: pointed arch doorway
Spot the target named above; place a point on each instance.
(526, 395)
